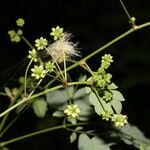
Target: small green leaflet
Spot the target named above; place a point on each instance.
(40, 107)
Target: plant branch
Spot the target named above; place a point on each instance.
(24, 100)
(104, 47)
(42, 131)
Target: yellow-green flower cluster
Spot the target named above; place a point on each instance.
(102, 79)
(57, 33)
(41, 43)
(38, 72)
(72, 111)
(15, 36)
(119, 120)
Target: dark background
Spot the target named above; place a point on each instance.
(93, 23)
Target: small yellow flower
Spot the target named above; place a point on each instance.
(38, 72)
(72, 111)
(20, 22)
(57, 33)
(119, 120)
(41, 43)
(33, 55)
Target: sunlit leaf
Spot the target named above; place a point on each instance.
(117, 95)
(117, 106)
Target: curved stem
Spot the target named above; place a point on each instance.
(27, 42)
(13, 121)
(25, 77)
(5, 117)
(35, 88)
(105, 46)
(43, 131)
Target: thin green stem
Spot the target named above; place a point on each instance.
(65, 72)
(97, 95)
(13, 121)
(5, 117)
(25, 77)
(35, 88)
(56, 63)
(43, 131)
(126, 11)
(88, 68)
(78, 131)
(104, 47)
(27, 42)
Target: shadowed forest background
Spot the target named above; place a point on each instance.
(93, 24)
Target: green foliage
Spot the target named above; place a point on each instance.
(117, 95)
(40, 107)
(132, 135)
(95, 143)
(99, 104)
(59, 100)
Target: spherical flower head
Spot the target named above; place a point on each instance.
(19, 32)
(106, 115)
(62, 49)
(57, 33)
(20, 22)
(41, 43)
(38, 72)
(33, 55)
(119, 120)
(72, 111)
(107, 96)
(49, 66)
